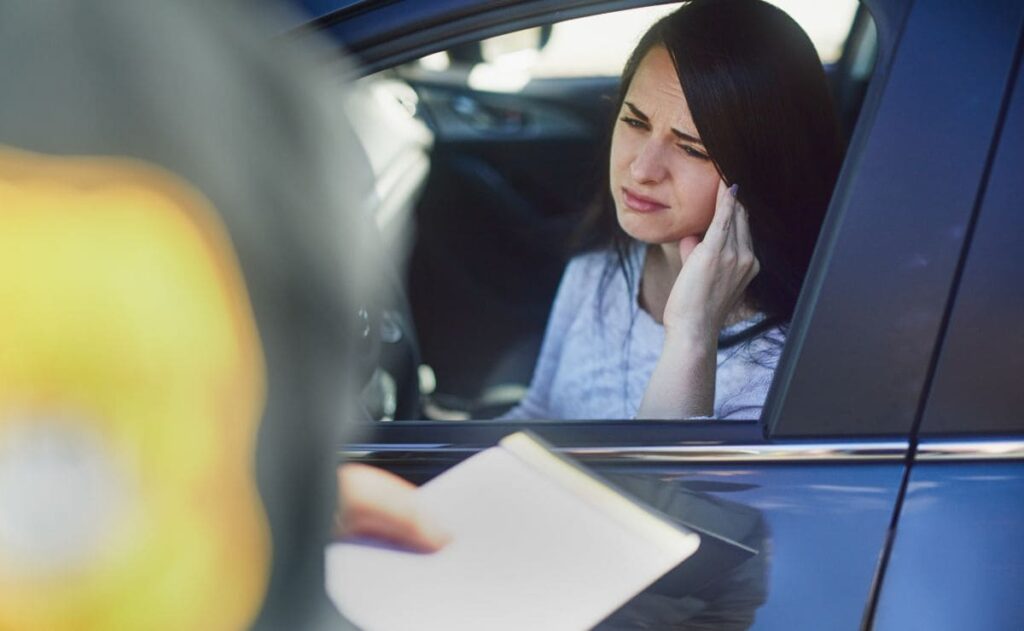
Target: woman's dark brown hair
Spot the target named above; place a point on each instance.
(759, 98)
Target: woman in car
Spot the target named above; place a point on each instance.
(722, 160)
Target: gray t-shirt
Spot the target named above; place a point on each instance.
(600, 349)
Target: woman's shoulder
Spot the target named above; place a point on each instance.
(590, 261)
(584, 271)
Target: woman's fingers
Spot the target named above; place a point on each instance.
(743, 229)
(718, 232)
(686, 247)
(716, 269)
(732, 244)
(747, 259)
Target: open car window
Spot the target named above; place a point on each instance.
(598, 45)
(518, 126)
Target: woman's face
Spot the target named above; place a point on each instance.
(662, 180)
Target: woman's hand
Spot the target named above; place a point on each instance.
(382, 506)
(715, 274)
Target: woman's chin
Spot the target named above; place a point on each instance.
(646, 229)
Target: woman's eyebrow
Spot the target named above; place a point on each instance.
(636, 112)
(682, 135)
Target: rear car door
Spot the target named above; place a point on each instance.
(956, 560)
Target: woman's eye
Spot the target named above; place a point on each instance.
(694, 153)
(635, 123)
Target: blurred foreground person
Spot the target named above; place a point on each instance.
(177, 257)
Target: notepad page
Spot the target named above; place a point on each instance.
(525, 554)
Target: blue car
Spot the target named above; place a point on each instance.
(883, 487)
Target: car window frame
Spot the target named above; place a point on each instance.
(450, 23)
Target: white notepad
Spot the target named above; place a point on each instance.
(536, 543)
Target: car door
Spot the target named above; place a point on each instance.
(811, 490)
(956, 561)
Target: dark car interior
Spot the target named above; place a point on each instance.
(478, 195)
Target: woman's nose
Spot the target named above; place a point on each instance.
(649, 163)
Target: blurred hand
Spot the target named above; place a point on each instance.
(380, 505)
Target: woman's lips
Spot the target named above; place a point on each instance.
(639, 203)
